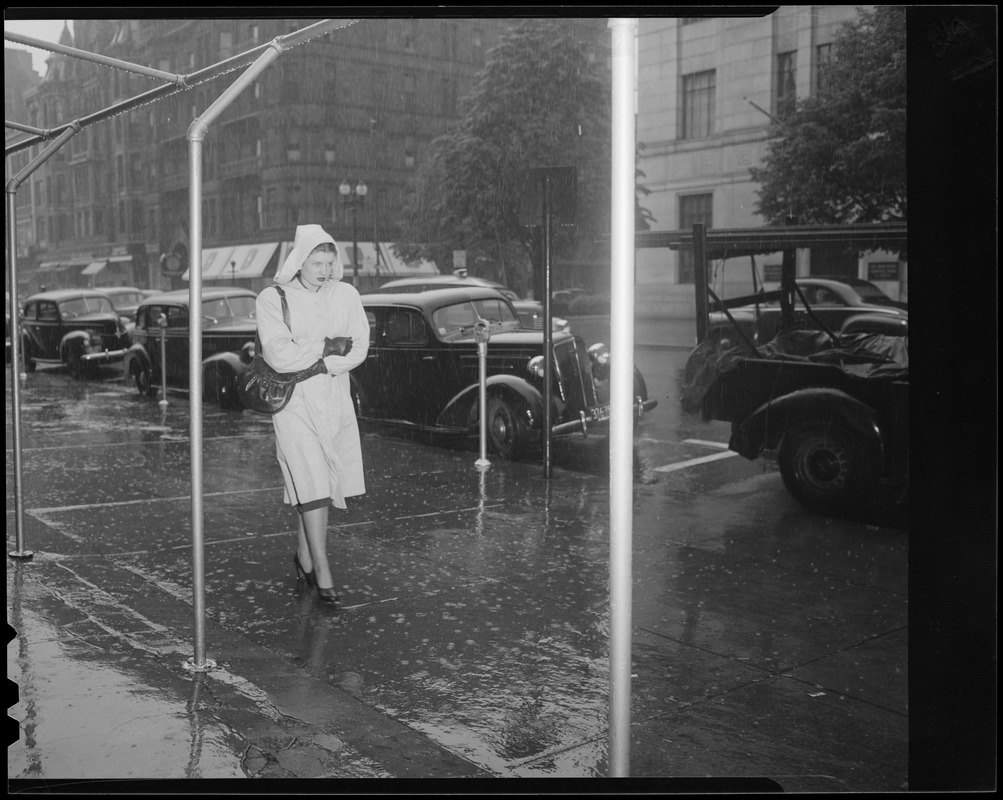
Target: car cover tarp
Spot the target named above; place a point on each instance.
(862, 355)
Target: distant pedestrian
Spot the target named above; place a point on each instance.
(317, 434)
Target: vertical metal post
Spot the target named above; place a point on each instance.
(548, 326)
(195, 393)
(15, 375)
(624, 32)
(196, 135)
(162, 322)
(355, 244)
(16, 356)
(700, 277)
(482, 334)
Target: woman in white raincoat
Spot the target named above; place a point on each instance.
(316, 434)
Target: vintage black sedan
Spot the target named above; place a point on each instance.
(423, 371)
(78, 328)
(228, 333)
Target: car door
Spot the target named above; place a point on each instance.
(175, 344)
(404, 368)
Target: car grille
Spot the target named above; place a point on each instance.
(574, 376)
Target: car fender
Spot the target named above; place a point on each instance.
(74, 341)
(866, 322)
(766, 425)
(136, 354)
(457, 411)
(232, 360)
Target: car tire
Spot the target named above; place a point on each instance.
(143, 377)
(219, 385)
(506, 430)
(74, 364)
(825, 467)
(28, 356)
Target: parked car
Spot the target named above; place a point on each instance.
(228, 333)
(561, 300)
(78, 328)
(847, 305)
(423, 371)
(126, 300)
(530, 311)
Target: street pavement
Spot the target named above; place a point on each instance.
(471, 639)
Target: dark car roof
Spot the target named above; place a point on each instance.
(58, 295)
(451, 280)
(119, 289)
(182, 296)
(431, 299)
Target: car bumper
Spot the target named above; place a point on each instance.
(102, 357)
(597, 418)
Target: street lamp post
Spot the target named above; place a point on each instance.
(353, 198)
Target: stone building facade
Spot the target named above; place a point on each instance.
(707, 88)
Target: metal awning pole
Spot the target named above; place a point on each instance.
(15, 331)
(196, 135)
(624, 33)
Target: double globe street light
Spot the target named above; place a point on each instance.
(353, 198)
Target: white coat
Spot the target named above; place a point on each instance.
(317, 433)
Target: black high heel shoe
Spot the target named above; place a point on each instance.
(327, 595)
(302, 573)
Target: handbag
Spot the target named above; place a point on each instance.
(263, 390)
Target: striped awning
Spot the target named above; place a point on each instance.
(94, 267)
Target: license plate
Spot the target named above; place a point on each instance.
(600, 413)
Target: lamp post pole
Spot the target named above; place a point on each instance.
(353, 198)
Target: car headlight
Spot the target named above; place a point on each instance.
(599, 356)
(535, 366)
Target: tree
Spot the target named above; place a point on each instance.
(840, 158)
(539, 102)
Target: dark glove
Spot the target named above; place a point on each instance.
(338, 346)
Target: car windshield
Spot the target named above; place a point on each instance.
(127, 298)
(85, 305)
(228, 308)
(460, 318)
(870, 294)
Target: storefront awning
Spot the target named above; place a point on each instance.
(214, 261)
(48, 266)
(94, 267)
(375, 260)
(249, 260)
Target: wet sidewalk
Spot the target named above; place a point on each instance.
(472, 637)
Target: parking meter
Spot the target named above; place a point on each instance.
(162, 322)
(482, 334)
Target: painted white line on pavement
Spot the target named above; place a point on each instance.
(705, 443)
(694, 461)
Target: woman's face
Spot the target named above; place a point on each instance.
(318, 269)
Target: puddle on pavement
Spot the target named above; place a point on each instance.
(81, 716)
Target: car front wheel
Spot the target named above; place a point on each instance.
(505, 429)
(220, 386)
(144, 380)
(28, 356)
(825, 467)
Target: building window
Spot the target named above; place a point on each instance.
(693, 209)
(698, 105)
(225, 44)
(786, 94)
(823, 68)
